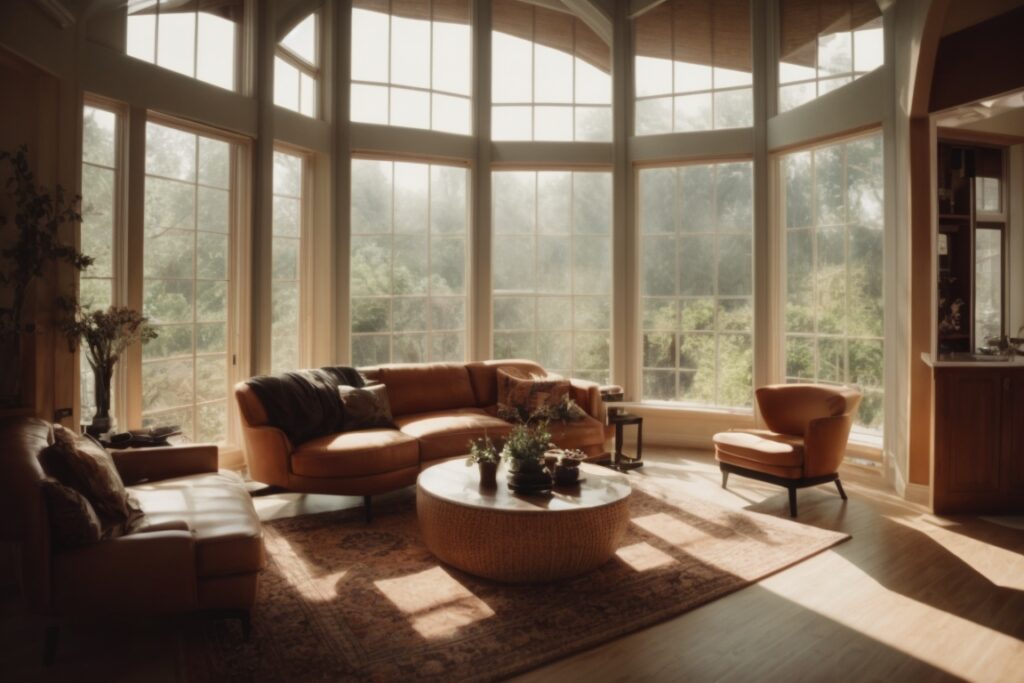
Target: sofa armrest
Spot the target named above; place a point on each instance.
(587, 395)
(140, 573)
(164, 462)
(268, 454)
(825, 444)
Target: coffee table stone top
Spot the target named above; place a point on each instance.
(453, 481)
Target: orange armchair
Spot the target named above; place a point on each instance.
(808, 427)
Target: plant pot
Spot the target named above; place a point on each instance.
(488, 474)
(529, 476)
(567, 475)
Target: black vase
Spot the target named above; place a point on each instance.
(101, 421)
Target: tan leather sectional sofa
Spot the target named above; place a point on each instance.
(438, 408)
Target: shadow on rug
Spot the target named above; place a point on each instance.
(341, 600)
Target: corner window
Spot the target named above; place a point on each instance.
(832, 201)
(297, 70)
(551, 76)
(692, 66)
(286, 263)
(196, 39)
(412, 64)
(824, 45)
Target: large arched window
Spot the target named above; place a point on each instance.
(825, 44)
(692, 67)
(551, 76)
(412, 64)
(197, 38)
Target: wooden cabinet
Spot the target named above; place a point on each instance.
(978, 451)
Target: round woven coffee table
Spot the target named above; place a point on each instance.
(517, 538)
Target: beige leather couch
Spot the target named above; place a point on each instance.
(200, 548)
(438, 408)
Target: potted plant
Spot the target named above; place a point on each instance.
(105, 334)
(567, 471)
(524, 451)
(487, 457)
(38, 218)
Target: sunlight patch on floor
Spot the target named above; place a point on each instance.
(1000, 566)
(670, 529)
(644, 556)
(884, 615)
(437, 604)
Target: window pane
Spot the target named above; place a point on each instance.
(823, 45)
(832, 199)
(425, 48)
(552, 270)
(175, 36)
(988, 284)
(545, 62)
(286, 85)
(186, 266)
(692, 61)
(409, 260)
(301, 40)
(697, 283)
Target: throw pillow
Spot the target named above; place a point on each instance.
(82, 464)
(529, 397)
(366, 408)
(73, 521)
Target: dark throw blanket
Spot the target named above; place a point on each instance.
(305, 404)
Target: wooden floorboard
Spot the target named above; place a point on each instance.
(911, 597)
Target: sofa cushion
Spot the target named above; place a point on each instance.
(425, 387)
(523, 395)
(73, 521)
(759, 449)
(484, 377)
(366, 408)
(220, 513)
(447, 433)
(85, 466)
(356, 454)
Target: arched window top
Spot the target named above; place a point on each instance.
(297, 68)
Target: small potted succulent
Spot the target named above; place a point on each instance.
(487, 456)
(567, 471)
(524, 451)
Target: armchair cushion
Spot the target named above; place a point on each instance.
(85, 466)
(759, 448)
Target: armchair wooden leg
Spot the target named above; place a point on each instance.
(792, 501)
(842, 493)
(50, 638)
(725, 477)
(368, 507)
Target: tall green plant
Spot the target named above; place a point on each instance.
(38, 217)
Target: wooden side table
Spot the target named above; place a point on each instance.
(620, 460)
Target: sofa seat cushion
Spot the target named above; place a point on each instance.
(356, 454)
(578, 433)
(219, 512)
(447, 433)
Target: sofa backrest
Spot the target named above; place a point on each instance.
(484, 377)
(23, 516)
(424, 387)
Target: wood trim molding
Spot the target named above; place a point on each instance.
(57, 11)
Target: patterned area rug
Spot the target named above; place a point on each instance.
(341, 600)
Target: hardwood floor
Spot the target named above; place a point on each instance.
(910, 597)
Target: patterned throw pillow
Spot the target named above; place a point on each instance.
(85, 466)
(523, 396)
(366, 408)
(73, 521)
